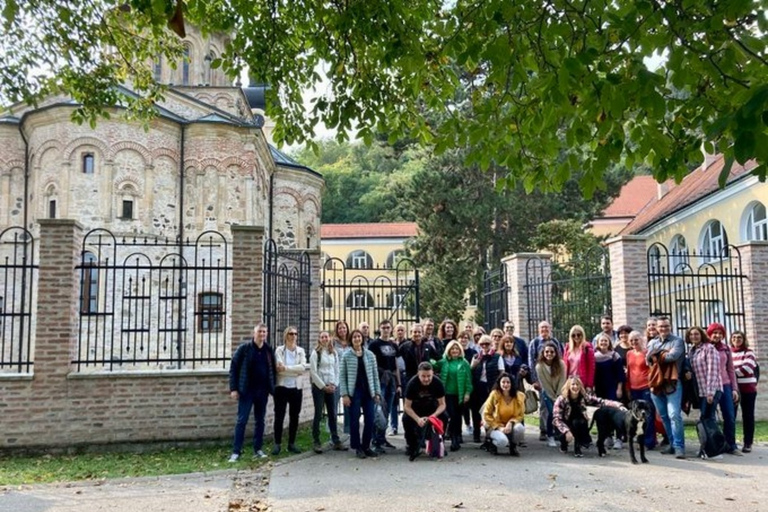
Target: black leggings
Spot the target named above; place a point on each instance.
(287, 398)
(580, 431)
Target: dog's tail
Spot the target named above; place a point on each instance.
(592, 423)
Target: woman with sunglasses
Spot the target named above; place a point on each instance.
(551, 372)
(290, 361)
(579, 358)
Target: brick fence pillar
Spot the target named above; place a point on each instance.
(247, 279)
(533, 269)
(754, 265)
(315, 297)
(58, 295)
(629, 281)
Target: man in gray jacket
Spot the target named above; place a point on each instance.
(667, 348)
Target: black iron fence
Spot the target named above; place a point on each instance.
(287, 282)
(18, 271)
(495, 296)
(695, 288)
(568, 293)
(370, 295)
(153, 302)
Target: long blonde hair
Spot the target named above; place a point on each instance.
(566, 391)
(575, 329)
(449, 346)
(330, 348)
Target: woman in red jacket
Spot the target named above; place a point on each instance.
(579, 357)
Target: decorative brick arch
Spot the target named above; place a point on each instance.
(11, 164)
(134, 146)
(311, 198)
(170, 153)
(51, 187)
(290, 192)
(99, 144)
(128, 182)
(235, 160)
(205, 97)
(45, 147)
(209, 162)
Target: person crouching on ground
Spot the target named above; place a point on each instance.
(503, 415)
(570, 415)
(424, 398)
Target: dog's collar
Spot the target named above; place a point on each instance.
(633, 415)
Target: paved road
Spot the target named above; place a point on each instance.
(541, 479)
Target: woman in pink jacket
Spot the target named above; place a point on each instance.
(579, 358)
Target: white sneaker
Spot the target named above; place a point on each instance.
(468, 431)
(234, 457)
(618, 445)
(609, 442)
(260, 455)
(551, 442)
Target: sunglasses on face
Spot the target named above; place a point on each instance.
(292, 333)
(577, 335)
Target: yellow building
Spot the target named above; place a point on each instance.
(692, 233)
(365, 277)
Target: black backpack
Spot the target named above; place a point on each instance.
(711, 438)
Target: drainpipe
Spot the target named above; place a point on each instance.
(26, 175)
(183, 285)
(271, 201)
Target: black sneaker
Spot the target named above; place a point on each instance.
(414, 454)
(387, 444)
(371, 453)
(293, 449)
(317, 448)
(668, 451)
(542, 436)
(360, 454)
(513, 451)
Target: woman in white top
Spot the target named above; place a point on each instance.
(324, 372)
(290, 361)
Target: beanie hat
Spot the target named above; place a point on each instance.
(714, 326)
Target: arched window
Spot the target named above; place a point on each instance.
(89, 164)
(89, 285)
(157, 69)
(359, 259)
(359, 299)
(185, 67)
(757, 224)
(714, 241)
(127, 202)
(678, 252)
(394, 258)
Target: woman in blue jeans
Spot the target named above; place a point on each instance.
(551, 373)
(324, 373)
(730, 395)
(360, 391)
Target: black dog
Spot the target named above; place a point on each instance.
(628, 424)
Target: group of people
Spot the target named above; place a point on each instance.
(448, 377)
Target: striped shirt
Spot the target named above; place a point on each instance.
(744, 364)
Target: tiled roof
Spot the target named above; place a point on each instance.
(369, 230)
(695, 186)
(632, 198)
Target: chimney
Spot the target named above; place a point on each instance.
(709, 158)
(661, 190)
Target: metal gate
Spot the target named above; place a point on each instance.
(287, 282)
(693, 288)
(495, 291)
(362, 294)
(573, 292)
(18, 271)
(134, 307)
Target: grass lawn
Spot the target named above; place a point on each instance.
(64, 468)
(18, 470)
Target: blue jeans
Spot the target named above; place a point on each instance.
(361, 400)
(549, 405)
(387, 403)
(729, 415)
(328, 400)
(670, 410)
(650, 423)
(258, 401)
(708, 410)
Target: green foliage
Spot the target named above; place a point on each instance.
(363, 183)
(539, 91)
(563, 238)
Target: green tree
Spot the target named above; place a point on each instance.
(364, 183)
(555, 89)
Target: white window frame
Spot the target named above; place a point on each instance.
(713, 247)
(757, 230)
(678, 252)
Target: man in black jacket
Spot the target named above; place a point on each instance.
(251, 381)
(416, 351)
